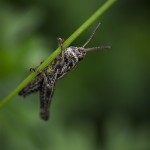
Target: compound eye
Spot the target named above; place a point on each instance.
(83, 52)
(81, 56)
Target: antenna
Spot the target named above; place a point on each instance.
(97, 48)
(92, 34)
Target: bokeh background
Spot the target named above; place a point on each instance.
(104, 104)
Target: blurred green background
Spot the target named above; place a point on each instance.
(104, 104)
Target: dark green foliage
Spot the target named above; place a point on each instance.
(104, 103)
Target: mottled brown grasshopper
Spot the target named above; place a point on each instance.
(45, 81)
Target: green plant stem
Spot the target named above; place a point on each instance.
(83, 27)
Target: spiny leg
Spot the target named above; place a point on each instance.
(60, 44)
(34, 85)
(46, 94)
(39, 72)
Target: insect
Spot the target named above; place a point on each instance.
(46, 79)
